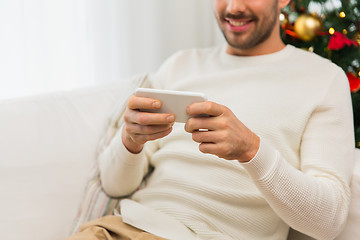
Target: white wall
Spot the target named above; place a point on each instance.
(65, 44)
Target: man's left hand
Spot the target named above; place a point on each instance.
(225, 135)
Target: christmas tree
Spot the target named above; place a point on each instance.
(331, 29)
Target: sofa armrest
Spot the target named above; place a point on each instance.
(47, 147)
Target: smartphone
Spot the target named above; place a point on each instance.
(172, 101)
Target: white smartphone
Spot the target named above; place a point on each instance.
(174, 102)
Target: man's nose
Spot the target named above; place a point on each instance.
(236, 6)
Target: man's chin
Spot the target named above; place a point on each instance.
(243, 45)
(239, 40)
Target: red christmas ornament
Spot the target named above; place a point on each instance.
(339, 41)
(353, 81)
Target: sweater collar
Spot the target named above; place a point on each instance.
(259, 59)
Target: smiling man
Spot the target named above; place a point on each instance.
(278, 152)
(250, 27)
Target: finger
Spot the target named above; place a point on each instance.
(206, 136)
(209, 123)
(141, 138)
(209, 108)
(220, 150)
(134, 129)
(226, 151)
(210, 148)
(145, 118)
(136, 102)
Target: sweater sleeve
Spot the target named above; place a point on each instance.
(314, 199)
(122, 172)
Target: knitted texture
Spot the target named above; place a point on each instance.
(300, 176)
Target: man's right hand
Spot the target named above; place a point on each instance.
(141, 127)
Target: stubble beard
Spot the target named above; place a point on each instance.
(262, 31)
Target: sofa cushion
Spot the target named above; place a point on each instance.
(47, 145)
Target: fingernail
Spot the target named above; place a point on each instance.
(156, 104)
(171, 118)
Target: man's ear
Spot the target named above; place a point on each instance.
(283, 3)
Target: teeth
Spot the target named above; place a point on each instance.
(237, 24)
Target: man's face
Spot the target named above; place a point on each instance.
(247, 24)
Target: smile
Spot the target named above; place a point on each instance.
(238, 25)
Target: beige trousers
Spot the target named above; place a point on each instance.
(111, 228)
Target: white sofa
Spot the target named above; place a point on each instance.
(48, 145)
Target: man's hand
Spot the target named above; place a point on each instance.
(141, 127)
(227, 137)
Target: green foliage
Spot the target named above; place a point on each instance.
(348, 57)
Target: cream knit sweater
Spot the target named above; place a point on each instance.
(298, 103)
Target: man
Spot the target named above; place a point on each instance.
(278, 151)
